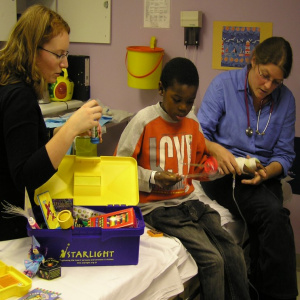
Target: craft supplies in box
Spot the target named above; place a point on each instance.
(12, 282)
(118, 219)
(105, 184)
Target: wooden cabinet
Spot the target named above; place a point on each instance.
(8, 17)
(90, 20)
(11, 9)
(23, 4)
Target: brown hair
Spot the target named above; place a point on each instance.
(37, 26)
(277, 51)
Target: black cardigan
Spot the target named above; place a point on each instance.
(24, 161)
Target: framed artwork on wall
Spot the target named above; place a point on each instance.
(233, 42)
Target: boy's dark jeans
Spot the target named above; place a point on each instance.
(272, 247)
(221, 265)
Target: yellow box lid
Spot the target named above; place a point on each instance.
(13, 282)
(94, 181)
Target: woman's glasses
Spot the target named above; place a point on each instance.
(275, 82)
(60, 57)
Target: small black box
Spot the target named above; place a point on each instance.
(50, 269)
(79, 73)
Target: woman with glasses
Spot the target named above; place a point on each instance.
(34, 56)
(251, 113)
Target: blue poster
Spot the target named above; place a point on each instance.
(237, 45)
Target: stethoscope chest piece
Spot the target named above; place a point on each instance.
(249, 131)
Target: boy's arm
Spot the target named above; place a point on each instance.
(144, 179)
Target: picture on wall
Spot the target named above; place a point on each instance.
(233, 42)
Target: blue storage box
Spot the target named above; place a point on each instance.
(104, 184)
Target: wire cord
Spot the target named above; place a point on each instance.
(245, 229)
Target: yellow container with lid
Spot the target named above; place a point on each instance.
(144, 66)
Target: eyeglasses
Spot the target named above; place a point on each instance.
(274, 82)
(60, 57)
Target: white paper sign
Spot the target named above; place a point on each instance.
(157, 13)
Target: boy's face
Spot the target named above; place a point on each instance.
(178, 100)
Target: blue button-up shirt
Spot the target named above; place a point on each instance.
(223, 117)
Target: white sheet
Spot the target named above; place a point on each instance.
(164, 265)
(225, 214)
(170, 282)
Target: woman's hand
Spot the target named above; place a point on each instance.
(166, 179)
(272, 170)
(85, 118)
(226, 160)
(81, 122)
(259, 176)
(89, 133)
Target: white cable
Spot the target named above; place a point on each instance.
(245, 224)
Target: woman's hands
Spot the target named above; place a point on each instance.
(228, 165)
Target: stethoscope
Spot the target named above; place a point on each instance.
(249, 130)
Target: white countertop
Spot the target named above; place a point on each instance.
(58, 107)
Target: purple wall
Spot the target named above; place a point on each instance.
(109, 75)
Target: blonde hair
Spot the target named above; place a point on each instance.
(37, 26)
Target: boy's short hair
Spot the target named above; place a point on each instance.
(181, 70)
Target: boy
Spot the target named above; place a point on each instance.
(166, 141)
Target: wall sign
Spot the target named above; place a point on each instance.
(157, 13)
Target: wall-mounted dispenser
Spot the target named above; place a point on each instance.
(192, 22)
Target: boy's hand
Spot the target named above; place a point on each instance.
(256, 169)
(166, 179)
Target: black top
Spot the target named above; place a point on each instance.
(24, 161)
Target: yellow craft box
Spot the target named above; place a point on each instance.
(106, 184)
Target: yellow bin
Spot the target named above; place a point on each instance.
(144, 65)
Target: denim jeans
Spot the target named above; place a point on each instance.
(221, 266)
(272, 248)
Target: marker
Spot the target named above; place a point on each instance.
(95, 137)
(33, 224)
